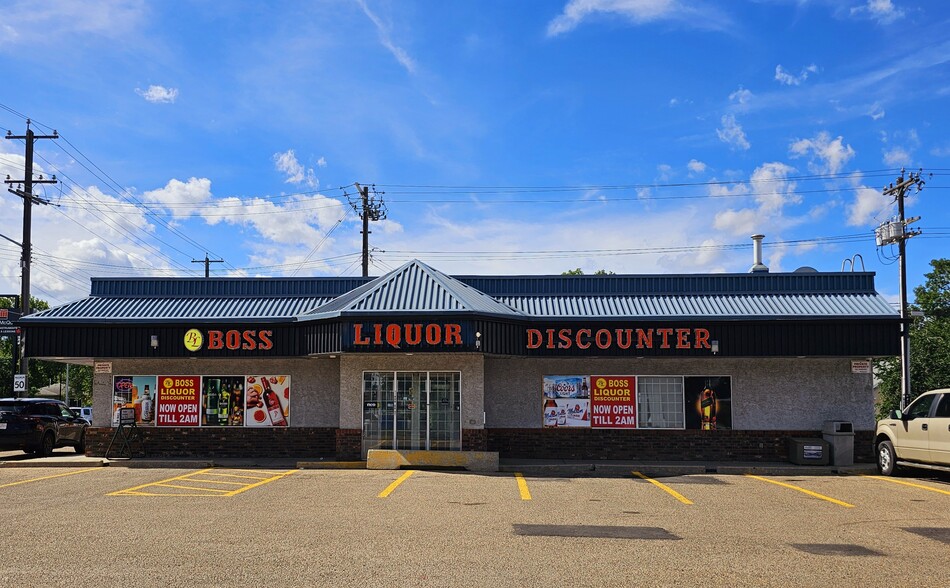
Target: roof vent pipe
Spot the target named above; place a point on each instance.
(757, 265)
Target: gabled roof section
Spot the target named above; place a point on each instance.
(413, 288)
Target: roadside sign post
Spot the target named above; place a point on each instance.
(19, 385)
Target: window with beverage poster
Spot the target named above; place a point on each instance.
(708, 401)
(135, 392)
(267, 402)
(566, 401)
(222, 402)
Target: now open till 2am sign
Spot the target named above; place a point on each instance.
(613, 402)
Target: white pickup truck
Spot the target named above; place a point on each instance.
(918, 436)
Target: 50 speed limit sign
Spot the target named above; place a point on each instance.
(19, 384)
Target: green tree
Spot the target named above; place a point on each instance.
(929, 342)
(579, 272)
(43, 373)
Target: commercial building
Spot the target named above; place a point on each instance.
(673, 367)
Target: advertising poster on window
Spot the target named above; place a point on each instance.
(708, 402)
(613, 402)
(136, 392)
(268, 401)
(179, 401)
(566, 401)
(222, 401)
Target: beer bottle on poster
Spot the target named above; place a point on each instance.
(147, 406)
(224, 402)
(272, 404)
(211, 402)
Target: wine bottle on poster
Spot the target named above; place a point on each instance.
(272, 404)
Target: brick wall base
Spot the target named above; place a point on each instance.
(474, 440)
(601, 444)
(349, 444)
(198, 442)
(579, 444)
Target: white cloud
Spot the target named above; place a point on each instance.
(784, 77)
(28, 21)
(897, 157)
(638, 12)
(772, 192)
(876, 112)
(322, 162)
(385, 38)
(303, 220)
(180, 197)
(827, 155)
(287, 163)
(663, 172)
(882, 11)
(158, 94)
(696, 166)
(867, 203)
(741, 96)
(732, 134)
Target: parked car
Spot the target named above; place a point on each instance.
(39, 425)
(83, 411)
(918, 436)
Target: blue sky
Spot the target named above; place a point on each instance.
(637, 136)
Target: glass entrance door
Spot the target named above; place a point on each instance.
(411, 410)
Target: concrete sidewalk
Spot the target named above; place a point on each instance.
(528, 467)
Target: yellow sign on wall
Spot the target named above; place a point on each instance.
(193, 340)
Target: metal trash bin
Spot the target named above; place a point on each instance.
(840, 435)
(803, 451)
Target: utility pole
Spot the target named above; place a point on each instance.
(896, 231)
(28, 199)
(370, 209)
(207, 263)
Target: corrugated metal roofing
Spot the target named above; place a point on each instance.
(167, 309)
(418, 288)
(785, 306)
(414, 287)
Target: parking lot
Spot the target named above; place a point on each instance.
(111, 526)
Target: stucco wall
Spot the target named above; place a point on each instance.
(314, 392)
(352, 366)
(767, 394)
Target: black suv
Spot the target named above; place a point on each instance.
(39, 425)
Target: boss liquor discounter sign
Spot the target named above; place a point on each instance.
(613, 401)
(179, 401)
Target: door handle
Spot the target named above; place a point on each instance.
(924, 426)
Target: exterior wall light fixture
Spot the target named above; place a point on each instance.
(478, 339)
(153, 341)
(714, 345)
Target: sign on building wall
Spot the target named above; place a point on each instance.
(204, 401)
(637, 402)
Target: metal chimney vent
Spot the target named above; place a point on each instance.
(757, 265)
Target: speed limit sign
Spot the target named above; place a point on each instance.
(19, 384)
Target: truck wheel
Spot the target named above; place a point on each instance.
(886, 458)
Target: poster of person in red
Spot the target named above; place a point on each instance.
(179, 401)
(613, 402)
(708, 402)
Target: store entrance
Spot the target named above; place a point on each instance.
(411, 410)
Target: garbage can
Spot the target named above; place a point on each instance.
(840, 435)
(803, 451)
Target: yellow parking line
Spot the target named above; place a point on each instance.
(134, 488)
(191, 477)
(48, 477)
(921, 486)
(191, 488)
(389, 489)
(523, 487)
(808, 492)
(665, 488)
(273, 478)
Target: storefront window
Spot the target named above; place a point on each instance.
(660, 402)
